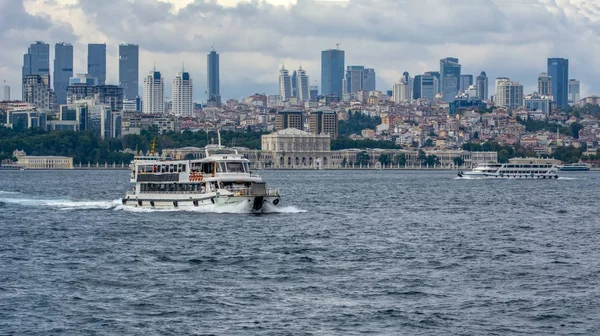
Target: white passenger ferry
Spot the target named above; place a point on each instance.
(223, 177)
(517, 168)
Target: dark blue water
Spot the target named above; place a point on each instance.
(349, 252)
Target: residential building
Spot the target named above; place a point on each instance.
(129, 69)
(96, 62)
(83, 79)
(558, 69)
(36, 61)
(289, 119)
(154, 96)
(110, 95)
(63, 70)
(36, 91)
(324, 122)
(332, 72)
(544, 84)
(403, 89)
(574, 94)
(285, 84)
(182, 95)
(509, 94)
(482, 86)
(536, 102)
(214, 92)
(80, 91)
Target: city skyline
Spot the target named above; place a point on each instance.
(248, 68)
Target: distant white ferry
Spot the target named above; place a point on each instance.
(222, 178)
(517, 168)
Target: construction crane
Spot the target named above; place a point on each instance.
(337, 45)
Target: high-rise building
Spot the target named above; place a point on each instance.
(294, 84)
(370, 81)
(182, 95)
(429, 86)
(508, 94)
(465, 82)
(574, 91)
(6, 92)
(289, 119)
(63, 70)
(332, 72)
(482, 86)
(355, 77)
(558, 69)
(314, 92)
(129, 55)
(285, 84)
(83, 79)
(449, 78)
(416, 89)
(36, 61)
(324, 122)
(110, 95)
(80, 91)
(302, 85)
(36, 91)
(544, 84)
(536, 102)
(214, 92)
(402, 91)
(154, 94)
(96, 62)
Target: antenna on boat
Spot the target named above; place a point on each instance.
(137, 150)
(219, 137)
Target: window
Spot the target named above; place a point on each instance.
(235, 167)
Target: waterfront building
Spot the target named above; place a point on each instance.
(63, 70)
(574, 95)
(294, 148)
(213, 82)
(332, 72)
(129, 69)
(182, 95)
(154, 96)
(509, 94)
(449, 78)
(36, 91)
(289, 119)
(96, 62)
(303, 92)
(285, 84)
(536, 102)
(324, 122)
(42, 162)
(558, 69)
(482, 86)
(465, 82)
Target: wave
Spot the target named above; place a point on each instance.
(69, 205)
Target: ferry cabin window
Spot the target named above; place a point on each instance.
(236, 167)
(207, 168)
(221, 167)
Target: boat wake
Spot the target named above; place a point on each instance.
(70, 205)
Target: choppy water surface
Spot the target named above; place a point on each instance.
(347, 252)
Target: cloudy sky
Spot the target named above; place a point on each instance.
(510, 38)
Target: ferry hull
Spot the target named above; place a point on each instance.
(508, 176)
(254, 203)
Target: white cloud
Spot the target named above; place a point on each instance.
(503, 37)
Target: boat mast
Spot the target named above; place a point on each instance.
(219, 137)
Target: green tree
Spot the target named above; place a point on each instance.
(385, 159)
(400, 159)
(363, 158)
(458, 161)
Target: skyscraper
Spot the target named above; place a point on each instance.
(182, 95)
(429, 86)
(36, 61)
(154, 94)
(449, 78)
(558, 69)
(96, 62)
(302, 85)
(63, 70)
(6, 92)
(314, 92)
(482, 86)
(285, 84)
(416, 89)
(214, 91)
(465, 82)
(544, 84)
(36, 91)
(129, 69)
(573, 91)
(332, 72)
(402, 90)
(355, 77)
(370, 81)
